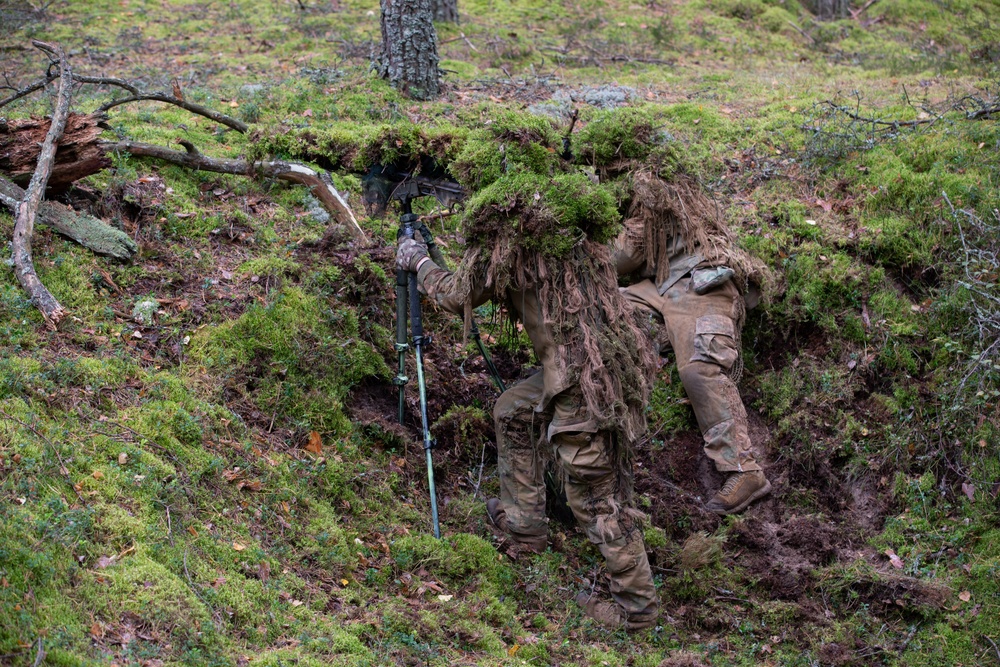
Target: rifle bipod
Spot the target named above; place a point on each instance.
(406, 292)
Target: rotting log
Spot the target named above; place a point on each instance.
(78, 154)
(24, 219)
(88, 231)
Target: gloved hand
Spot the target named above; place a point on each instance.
(410, 254)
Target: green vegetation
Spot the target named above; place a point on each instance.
(202, 466)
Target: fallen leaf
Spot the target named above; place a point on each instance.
(122, 459)
(969, 490)
(445, 598)
(344, 582)
(233, 104)
(193, 531)
(238, 547)
(97, 474)
(105, 561)
(896, 561)
(307, 112)
(315, 443)
(297, 603)
(965, 596)
(513, 649)
(286, 507)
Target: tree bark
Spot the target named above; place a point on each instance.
(408, 57)
(78, 154)
(445, 11)
(86, 230)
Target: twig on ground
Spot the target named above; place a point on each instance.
(24, 227)
(802, 32)
(62, 466)
(994, 645)
(40, 656)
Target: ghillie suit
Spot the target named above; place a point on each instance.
(686, 266)
(537, 242)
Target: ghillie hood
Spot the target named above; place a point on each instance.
(659, 209)
(533, 233)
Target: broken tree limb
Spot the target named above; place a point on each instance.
(136, 96)
(24, 224)
(221, 118)
(319, 184)
(88, 231)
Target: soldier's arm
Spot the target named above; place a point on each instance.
(440, 286)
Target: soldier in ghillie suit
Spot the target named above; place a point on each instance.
(538, 244)
(688, 269)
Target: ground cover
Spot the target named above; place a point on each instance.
(202, 465)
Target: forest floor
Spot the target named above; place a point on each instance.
(225, 483)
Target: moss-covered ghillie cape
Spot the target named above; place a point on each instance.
(536, 221)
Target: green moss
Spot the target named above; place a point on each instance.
(549, 214)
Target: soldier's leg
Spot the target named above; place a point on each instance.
(703, 331)
(522, 485)
(594, 493)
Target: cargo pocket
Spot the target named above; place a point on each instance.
(715, 341)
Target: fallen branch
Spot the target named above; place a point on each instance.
(24, 225)
(88, 231)
(136, 96)
(319, 184)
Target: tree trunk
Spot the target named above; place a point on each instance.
(828, 9)
(445, 11)
(408, 57)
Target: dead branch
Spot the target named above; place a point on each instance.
(136, 95)
(24, 92)
(86, 230)
(320, 184)
(24, 226)
(221, 118)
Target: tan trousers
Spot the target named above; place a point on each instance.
(703, 330)
(590, 480)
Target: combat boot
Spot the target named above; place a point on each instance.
(741, 489)
(611, 615)
(535, 543)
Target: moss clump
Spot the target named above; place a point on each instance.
(510, 142)
(550, 215)
(617, 137)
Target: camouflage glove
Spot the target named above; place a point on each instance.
(410, 254)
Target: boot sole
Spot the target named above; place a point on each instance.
(757, 495)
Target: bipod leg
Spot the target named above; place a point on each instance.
(417, 333)
(417, 328)
(402, 297)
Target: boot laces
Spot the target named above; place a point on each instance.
(731, 483)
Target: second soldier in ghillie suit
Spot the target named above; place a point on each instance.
(538, 245)
(685, 266)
